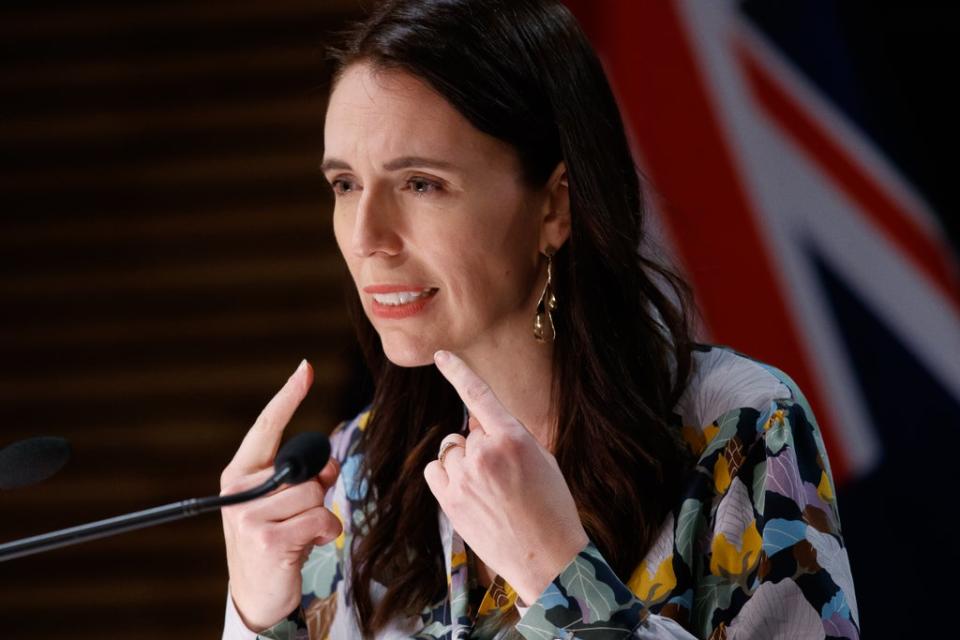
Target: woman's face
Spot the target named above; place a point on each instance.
(438, 231)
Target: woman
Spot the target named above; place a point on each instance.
(547, 453)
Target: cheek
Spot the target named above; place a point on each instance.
(486, 282)
(339, 231)
(342, 233)
(490, 265)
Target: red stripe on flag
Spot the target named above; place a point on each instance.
(928, 253)
(713, 223)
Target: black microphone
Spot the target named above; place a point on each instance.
(32, 460)
(299, 459)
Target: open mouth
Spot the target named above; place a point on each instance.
(400, 298)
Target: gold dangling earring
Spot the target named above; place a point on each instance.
(543, 329)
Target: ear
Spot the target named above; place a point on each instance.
(555, 225)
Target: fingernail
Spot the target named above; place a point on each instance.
(441, 356)
(303, 365)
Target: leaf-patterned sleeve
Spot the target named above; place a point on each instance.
(770, 560)
(588, 600)
(752, 550)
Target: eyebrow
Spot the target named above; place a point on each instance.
(403, 162)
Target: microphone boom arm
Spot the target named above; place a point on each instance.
(136, 520)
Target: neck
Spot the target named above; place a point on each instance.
(519, 370)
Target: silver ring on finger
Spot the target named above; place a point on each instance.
(449, 441)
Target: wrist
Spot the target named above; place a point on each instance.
(256, 621)
(540, 576)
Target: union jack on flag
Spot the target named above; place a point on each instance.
(764, 191)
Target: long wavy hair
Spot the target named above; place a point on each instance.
(522, 71)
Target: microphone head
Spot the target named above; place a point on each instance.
(305, 453)
(32, 460)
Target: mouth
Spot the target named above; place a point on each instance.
(399, 304)
(401, 298)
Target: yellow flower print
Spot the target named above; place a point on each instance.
(726, 559)
(824, 490)
(694, 437)
(340, 538)
(710, 432)
(775, 419)
(652, 586)
(721, 474)
(363, 420)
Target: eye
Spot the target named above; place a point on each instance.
(422, 186)
(342, 186)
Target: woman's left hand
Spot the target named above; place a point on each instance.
(503, 492)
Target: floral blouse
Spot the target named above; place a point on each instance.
(752, 548)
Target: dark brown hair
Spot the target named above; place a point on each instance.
(523, 72)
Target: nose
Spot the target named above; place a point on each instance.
(375, 226)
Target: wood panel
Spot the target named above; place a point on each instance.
(166, 259)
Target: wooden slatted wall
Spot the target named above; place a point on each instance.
(166, 259)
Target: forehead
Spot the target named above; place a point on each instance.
(375, 111)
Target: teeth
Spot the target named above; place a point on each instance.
(400, 297)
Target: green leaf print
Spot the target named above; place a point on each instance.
(689, 522)
(713, 593)
(286, 630)
(580, 582)
(759, 484)
(319, 571)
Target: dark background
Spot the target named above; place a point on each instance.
(166, 260)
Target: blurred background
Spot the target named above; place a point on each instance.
(166, 260)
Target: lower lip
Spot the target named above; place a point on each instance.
(402, 310)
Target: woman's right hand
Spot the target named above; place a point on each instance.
(268, 539)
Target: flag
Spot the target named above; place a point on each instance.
(808, 248)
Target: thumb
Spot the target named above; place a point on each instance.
(329, 474)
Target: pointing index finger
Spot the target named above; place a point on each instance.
(474, 391)
(259, 446)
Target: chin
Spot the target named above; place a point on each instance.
(407, 355)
